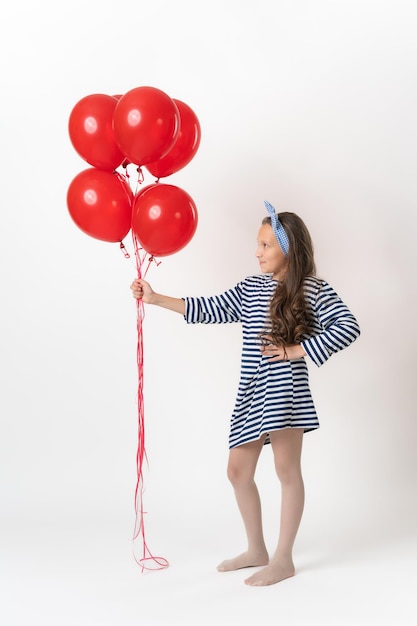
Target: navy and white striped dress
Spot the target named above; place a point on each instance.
(275, 395)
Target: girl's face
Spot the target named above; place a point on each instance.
(269, 254)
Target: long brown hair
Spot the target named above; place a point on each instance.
(289, 317)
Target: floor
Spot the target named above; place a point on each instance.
(80, 570)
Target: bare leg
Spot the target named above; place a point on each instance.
(286, 445)
(241, 473)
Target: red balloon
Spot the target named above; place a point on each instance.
(91, 131)
(185, 146)
(100, 203)
(164, 219)
(146, 124)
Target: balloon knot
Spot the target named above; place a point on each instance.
(124, 251)
(141, 176)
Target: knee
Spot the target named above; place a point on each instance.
(238, 475)
(288, 473)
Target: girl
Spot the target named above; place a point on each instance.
(286, 313)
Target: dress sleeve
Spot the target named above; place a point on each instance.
(221, 309)
(337, 327)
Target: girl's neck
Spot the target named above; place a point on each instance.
(279, 276)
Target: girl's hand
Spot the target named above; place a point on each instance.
(142, 290)
(288, 353)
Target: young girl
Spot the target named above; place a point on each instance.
(286, 313)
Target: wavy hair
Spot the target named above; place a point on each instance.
(290, 319)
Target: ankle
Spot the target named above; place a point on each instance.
(282, 557)
(258, 548)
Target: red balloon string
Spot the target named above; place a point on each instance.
(126, 176)
(124, 250)
(141, 177)
(147, 561)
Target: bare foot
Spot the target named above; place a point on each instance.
(247, 559)
(271, 574)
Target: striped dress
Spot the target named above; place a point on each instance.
(275, 395)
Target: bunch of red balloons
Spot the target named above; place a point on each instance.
(146, 128)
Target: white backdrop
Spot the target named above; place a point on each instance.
(309, 104)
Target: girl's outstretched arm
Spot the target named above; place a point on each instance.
(143, 291)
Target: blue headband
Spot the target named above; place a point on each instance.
(278, 229)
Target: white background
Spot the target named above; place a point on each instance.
(311, 105)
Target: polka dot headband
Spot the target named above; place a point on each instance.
(278, 229)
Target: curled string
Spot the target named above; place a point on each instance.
(147, 561)
(124, 250)
(125, 175)
(141, 177)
